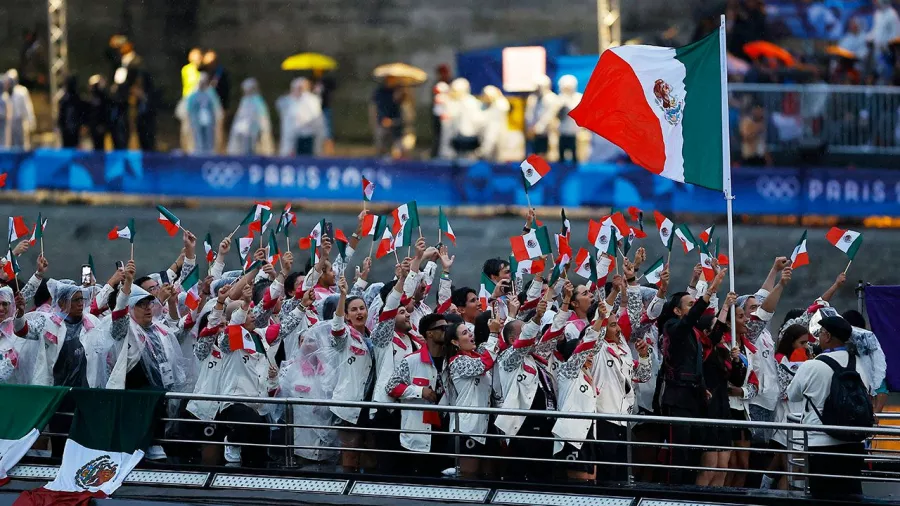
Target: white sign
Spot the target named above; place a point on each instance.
(522, 66)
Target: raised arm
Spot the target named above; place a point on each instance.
(383, 333)
(338, 328)
(841, 279)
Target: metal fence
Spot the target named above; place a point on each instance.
(881, 465)
(842, 119)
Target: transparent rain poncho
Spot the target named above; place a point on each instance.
(9, 355)
(311, 373)
(154, 348)
(868, 349)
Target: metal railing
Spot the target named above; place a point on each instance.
(844, 119)
(881, 465)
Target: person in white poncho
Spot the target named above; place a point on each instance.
(251, 130)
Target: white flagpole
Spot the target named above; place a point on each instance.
(726, 166)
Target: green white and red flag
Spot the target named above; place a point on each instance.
(208, 248)
(534, 244)
(444, 225)
(191, 286)
(17, 228)
(654, 272)
(123, 233)
(368, 189)
(662, 106)
(799, 257)
(534, 168)
(168, 220)
(847, 241)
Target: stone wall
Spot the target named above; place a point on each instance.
(253, 36)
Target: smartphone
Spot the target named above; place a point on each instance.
(329, 230)
(120, 265)
(163, 278)
(86, 275)
(507, 288)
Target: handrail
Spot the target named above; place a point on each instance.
(525, 412)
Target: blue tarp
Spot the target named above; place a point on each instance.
(579, 66)
(884, 319)
(485, 66)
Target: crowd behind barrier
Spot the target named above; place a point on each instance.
(760, 191)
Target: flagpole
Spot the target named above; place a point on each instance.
(132, 251)
(726, 163)
(848, 266)
(233, 231)
(440, 235)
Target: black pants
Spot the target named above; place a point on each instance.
(98, 138)
(253, 456)
(69, 138)
(146, 129)
(533, 470)
(435, 136)
(611, 452)
(567, 146)
(120, 129)
(540, 144)
(387, 440)
(846, 466)
(681, 434)
(304, 146)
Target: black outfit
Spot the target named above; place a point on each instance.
(71, 117)
(718, 370)
(567, 145)
(70, 370)
(832, 488)
(97, 116)
(119, 94)
(684, 392)
(257, 434)
(221, 82)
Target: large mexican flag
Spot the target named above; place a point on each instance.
(27, 409)
(109, 431)
(662, 106)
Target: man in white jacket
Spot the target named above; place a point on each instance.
(812, 386)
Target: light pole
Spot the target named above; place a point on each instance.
(609, 24)
(58, 48)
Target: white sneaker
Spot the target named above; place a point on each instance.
(450, 472)
(232, 453)
(156, 452)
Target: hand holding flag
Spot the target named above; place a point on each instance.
(169, 221)
(847, 241)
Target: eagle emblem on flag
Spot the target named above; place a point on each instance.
(532, 243)
(672, 106)
(603, 239)
(96, 472)
(847, 238)
(664, 231)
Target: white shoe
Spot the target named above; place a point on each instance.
(450, 472)
(156, 452)
(232, 453)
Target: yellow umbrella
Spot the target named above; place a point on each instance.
(309, 61)
(407, 75)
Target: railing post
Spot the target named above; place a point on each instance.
(806, 460)
(455, 435)
(629, 437)
(288, 435)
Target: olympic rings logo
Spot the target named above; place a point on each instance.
(778, 188)
(222, 174)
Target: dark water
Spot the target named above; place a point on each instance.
(74, 232)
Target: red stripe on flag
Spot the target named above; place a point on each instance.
(834, 235)
(614, 106)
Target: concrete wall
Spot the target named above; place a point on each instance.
(253, 36)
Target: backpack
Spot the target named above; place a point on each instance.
(848, 403)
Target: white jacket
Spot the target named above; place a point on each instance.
(415, 372)
(50, 329)
(355, 365)
(812, 384)
(615, 372)
(390, 347)
(209, 382)
(520, 366)
(470, 386)
(576, 391)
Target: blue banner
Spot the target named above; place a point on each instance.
(759, 191)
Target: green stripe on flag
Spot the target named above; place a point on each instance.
(251, 216)
(543, 238)
(114, 420)
(854, 247)
(488, 284)
(702, 121)
(192, 279)
(27, 407)
(168, 214)
(131, 230)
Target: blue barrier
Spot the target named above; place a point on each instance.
(771, 191)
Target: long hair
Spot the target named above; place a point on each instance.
(450, 332)
(668, 311)
(791, 334)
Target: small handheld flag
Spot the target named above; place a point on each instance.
(535, 243)
(169, 221)
(566, 229)
(341, 242)
(847, 241)
(637, 216)
(3, 179)
(123, 233)
(535, 266)
(665, 227)
(191, 286)
(707, 235)
(272, 252)
(17, 228)
(37, 234)
(799, 257)
(208, 247)
(706, 262)
(534, 168)
(368, 188)
(240, 338)
(444, 226)
(486, 289)
(654, 272)
(683, 233)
